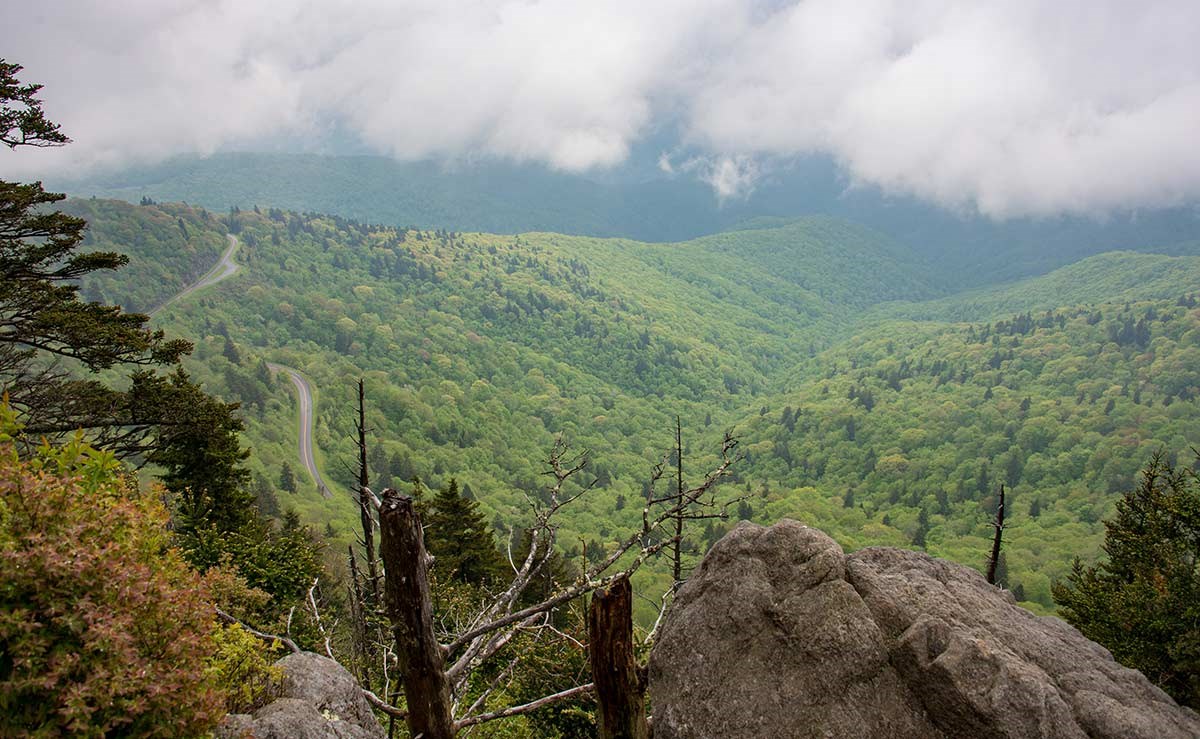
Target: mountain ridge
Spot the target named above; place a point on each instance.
(497, 197)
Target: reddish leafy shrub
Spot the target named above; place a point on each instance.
(104, 630)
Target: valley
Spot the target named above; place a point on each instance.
(871, 398)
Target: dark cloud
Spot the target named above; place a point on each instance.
(1010, 108)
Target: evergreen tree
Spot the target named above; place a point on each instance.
(459, 538)
(42, 318)
(264, 497)
(922, 529)
(1143, 602)
(201, 461)
(22, 122)
(287, 478)
(1035, 508)
(230, 351)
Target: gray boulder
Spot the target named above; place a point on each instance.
(318, 699)
(778, 633)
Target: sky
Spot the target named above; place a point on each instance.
(1007, 108)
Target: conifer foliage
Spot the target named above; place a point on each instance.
(1143, 603)
(460, 539)
(52, 343)
(44, 325)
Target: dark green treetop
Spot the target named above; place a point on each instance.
(459, 538)
(22, 122)
(1143, 602)
(202, 459)
(46, 330)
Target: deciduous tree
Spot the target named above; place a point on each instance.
(104, 631)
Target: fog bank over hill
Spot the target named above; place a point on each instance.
(1012, 109)
(496, 197)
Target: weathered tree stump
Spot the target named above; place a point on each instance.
(410, 609)
(619, 688)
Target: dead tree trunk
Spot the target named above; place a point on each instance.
(619, 688)
(677, 559)
(410, 609)
(368, 526)
(998, 524)
(358, 625)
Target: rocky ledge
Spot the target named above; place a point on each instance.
(779, 633)
(318, 699)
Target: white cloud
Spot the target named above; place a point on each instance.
(730, 176)
(1021, 107)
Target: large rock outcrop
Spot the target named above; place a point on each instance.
(780, 634)
(318, 699)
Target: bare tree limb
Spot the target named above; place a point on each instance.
(261, 635)
(383, 705)
(525, 708)
(312, 602)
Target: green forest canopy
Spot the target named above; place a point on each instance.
(477, 349)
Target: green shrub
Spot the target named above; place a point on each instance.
(104, 630)
(243, 669)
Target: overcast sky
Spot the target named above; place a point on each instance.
(1011, 107)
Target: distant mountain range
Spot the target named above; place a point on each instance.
(506, 198)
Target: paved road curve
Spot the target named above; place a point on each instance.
(304, 393)
(225, 268)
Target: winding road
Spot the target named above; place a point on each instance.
(224, 268)
(304, 394)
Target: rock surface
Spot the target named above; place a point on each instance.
(319, 699)
(778, 633)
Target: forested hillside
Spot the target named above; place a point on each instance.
(168, 246)
(477, 349)
(906, 436)
(1113, 277)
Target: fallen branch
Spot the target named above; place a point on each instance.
(262, 635)
(524, 708)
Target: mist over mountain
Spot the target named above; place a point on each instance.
(640, 203)
(1008, 110)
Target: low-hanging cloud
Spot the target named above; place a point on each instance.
(1014, 108)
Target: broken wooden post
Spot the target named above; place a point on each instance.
(619, 688)
(410, 609)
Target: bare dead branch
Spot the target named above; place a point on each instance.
(260, 635)
(525, 708)
(373, 498)
(312, 603)
(481, 701)
(383, 705)
(585, 585)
